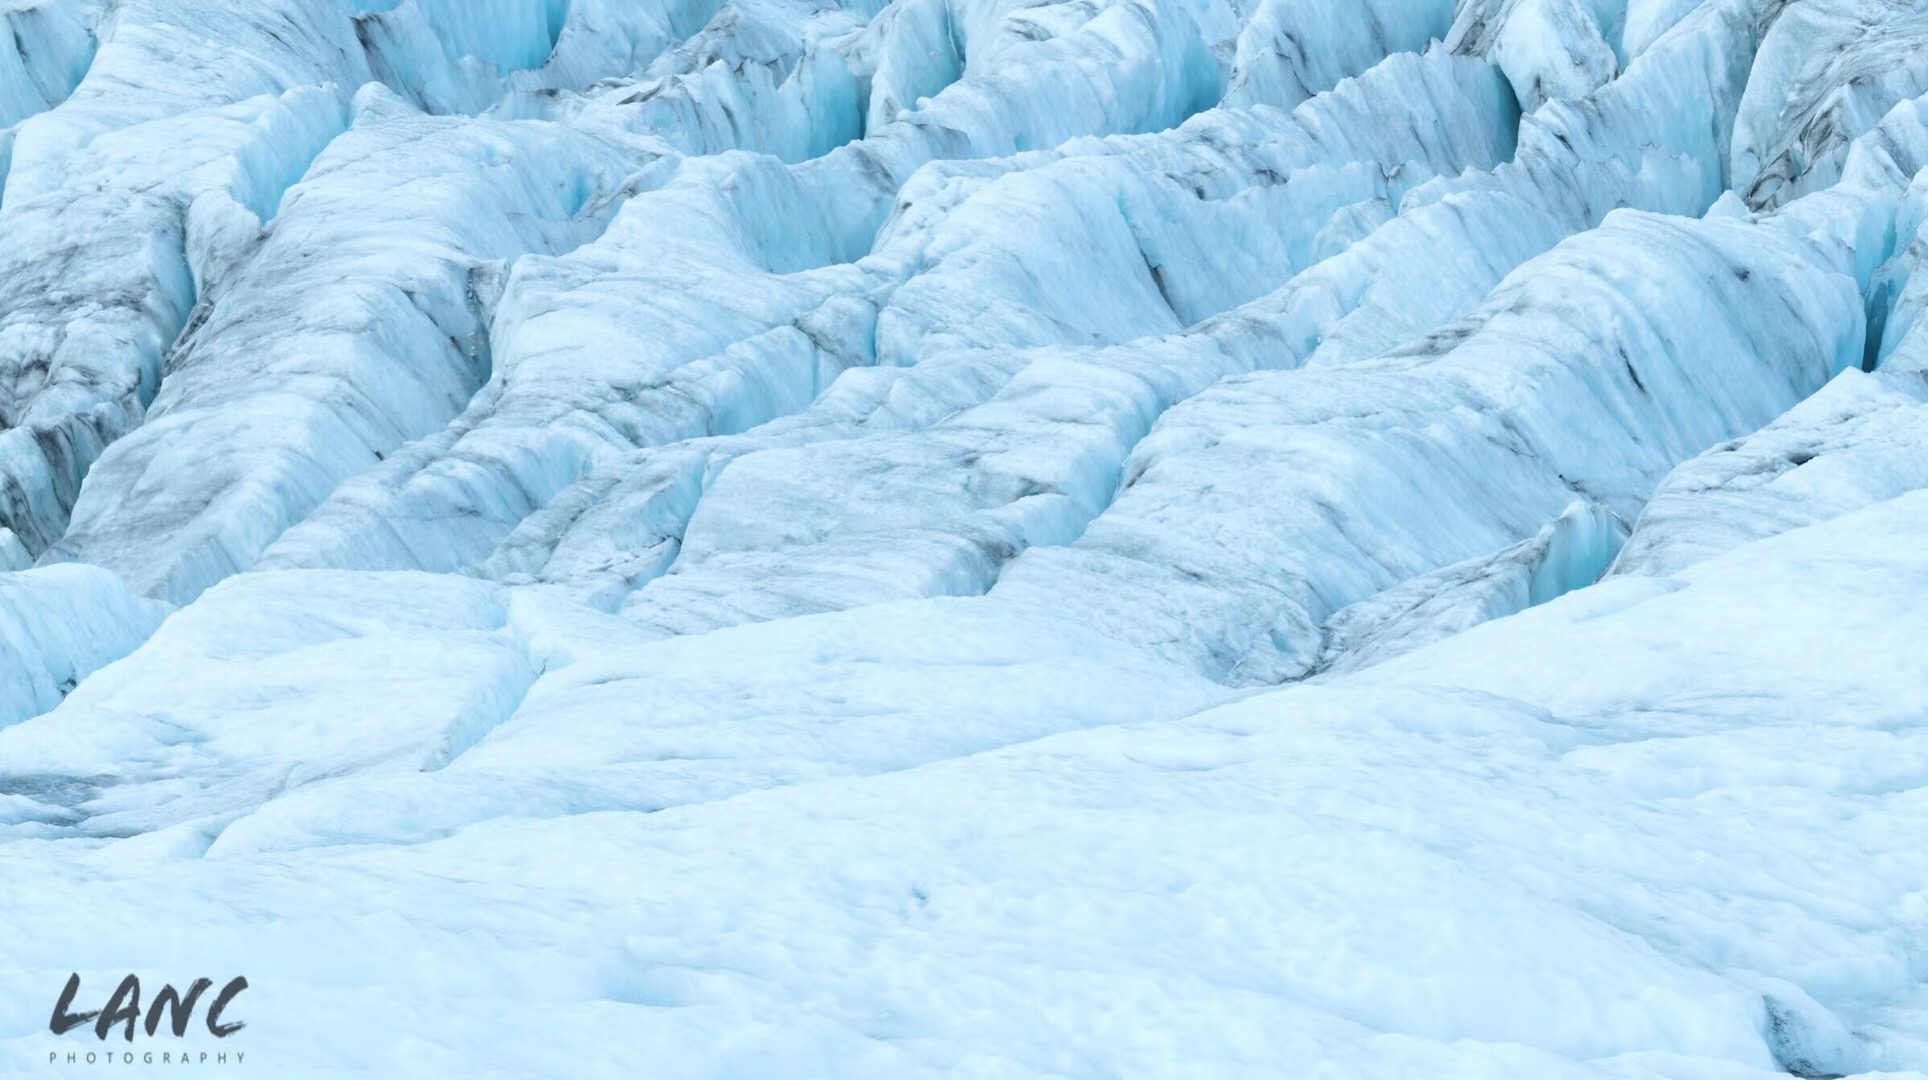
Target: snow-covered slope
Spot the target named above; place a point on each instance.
(1334, 538)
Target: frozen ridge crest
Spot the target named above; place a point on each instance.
(1326, 538)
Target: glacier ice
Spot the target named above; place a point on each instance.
(1549, 49)
(1519, 864)
(1855, 443)
(1290, 50)
(50, 45)
(1254, 510)
(1341, 538)
(741, 273)
(1808, 104)
(1570, 552)
(346, 336)
(58, 625)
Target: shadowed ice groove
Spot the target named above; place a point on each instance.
(350, 332)
(192, 120)
(589, 536)
(1808, 103)
(738, 270)
(781, 77)
(1859, 440)
(940, 509)
(43, 56)
(1256, 510)
(942, 513)
(185, 196)
(1291, 50)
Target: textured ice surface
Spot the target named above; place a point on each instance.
(1331, 538)
(1861, 440)
(1809, 102)
(1258, 508)
(1548, 48)
(1665, 826)
(51, 44)
(59, 625)
(345, 336)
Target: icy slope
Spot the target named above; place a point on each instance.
(59, 625)
(1334, 538)
(1581, 842)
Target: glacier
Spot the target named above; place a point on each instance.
(990, 538)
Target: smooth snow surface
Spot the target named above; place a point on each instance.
(748, 538)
